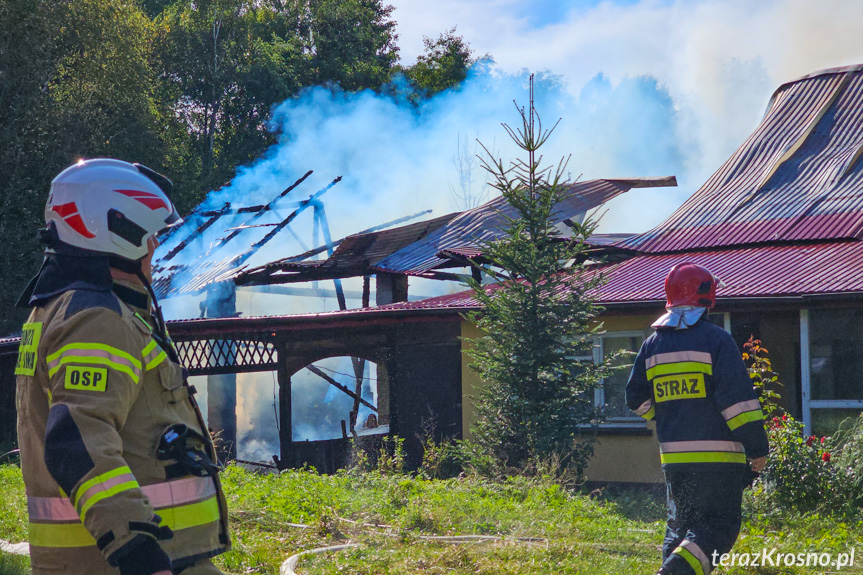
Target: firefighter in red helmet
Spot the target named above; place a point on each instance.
(690, 378)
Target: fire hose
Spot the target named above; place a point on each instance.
(15, 548)
(287, 568)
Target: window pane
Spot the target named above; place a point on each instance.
(614, 386)
(836, 349)
(827, 421)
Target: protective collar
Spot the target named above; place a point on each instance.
(60, 273)
(680, 317)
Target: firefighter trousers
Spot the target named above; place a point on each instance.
(703, 517)
(202, 567)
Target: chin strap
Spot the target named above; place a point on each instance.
(162, 330)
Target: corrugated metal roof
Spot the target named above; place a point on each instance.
(351, 258)
(756, 272)
(484, 223)
(797, 177)
(253, 225)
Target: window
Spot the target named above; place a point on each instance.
(832, 344)
(836, 351)
(610, 393)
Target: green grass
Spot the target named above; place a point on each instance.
(544, 529)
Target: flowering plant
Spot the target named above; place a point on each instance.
(799, 474)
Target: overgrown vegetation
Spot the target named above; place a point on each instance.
(534, 525)
(536, 321)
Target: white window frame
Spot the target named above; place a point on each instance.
(632, 421)
(808, 404)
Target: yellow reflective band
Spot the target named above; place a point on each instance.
(76, 535)
(150, 347)
(95, 361)
(193, 515)
(691, 559)
(703, 457)
(106, 494)
(60, 535)
(679, 367)
(650, 414)
(159, 359)
(745, 418)
(145, 322)
(99, 479)
(96, 346)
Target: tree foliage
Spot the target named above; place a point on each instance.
(75, 80)
(537, 321)
(443, 65)
(184, 87)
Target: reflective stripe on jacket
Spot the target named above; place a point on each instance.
(94, 398)
(694, 384)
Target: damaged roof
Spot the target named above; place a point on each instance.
(797, 177)
(351, 258)
(420, 249)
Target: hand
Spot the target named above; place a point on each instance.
(758, 464)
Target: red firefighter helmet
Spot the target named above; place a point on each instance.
(690, 284)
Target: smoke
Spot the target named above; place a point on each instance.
(317, 412)
(650, 88)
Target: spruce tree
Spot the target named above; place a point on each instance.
(537, 320)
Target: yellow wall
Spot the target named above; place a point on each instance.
(617, 458)
(623, 458)
(470, 380)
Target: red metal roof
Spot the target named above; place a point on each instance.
(797, 177)
(755, 272)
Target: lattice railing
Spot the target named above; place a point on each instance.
(231, 355)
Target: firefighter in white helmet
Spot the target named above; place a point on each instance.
(116, 459)
(690, 378)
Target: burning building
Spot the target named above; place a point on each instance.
(780, 222)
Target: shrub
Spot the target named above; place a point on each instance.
(764, 379)
(800, 474)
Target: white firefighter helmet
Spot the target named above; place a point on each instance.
(110, 206)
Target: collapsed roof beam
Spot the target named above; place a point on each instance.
(329, 246)
(213, 217)
(259, 213)
(317, 371)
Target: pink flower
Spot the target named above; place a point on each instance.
(784, 417)
(822, 440)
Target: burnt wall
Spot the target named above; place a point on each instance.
(8, 356)
(425, 371)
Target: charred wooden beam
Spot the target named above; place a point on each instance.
(317, 371)
(262, 211)
(213, 217)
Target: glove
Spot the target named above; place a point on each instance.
(141, 556)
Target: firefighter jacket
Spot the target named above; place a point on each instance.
(96, 393)
(694, 383)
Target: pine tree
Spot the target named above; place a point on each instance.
(537, 320)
